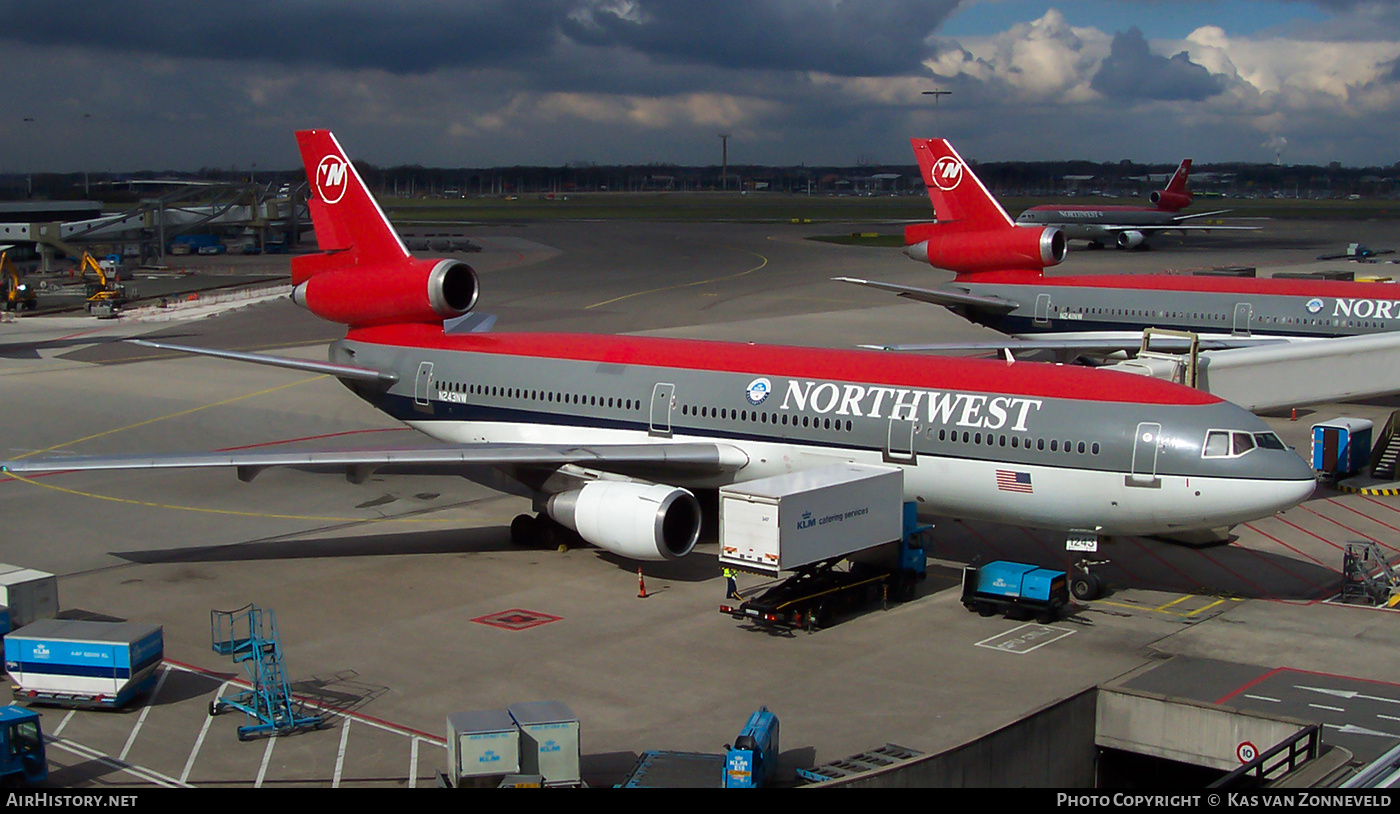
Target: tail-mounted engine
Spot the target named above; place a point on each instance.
(1170, 201)
(1021, 248)
(411, 291)
(640, 521)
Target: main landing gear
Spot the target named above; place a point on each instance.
(1084, 584)
(540, 531)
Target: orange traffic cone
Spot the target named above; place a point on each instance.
(641, 585)
(1294, 417)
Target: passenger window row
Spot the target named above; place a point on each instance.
(1015, 441)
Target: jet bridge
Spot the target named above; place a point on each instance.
(1285, 374)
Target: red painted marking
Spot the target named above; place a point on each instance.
(1350, 529)
(516, 619)
(868, 367)
(1309, 533)
(1241, 577)
(1375, 520)
(1261, 679)
(309, 438)
(1337, 289)
(1287, 546)
(1189, 582)
(311, 701)
(1378, 503)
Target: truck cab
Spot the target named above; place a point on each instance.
(22, 759)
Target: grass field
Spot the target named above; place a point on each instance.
(781, 207)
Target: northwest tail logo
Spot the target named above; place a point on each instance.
(331, 175)
(946, 173)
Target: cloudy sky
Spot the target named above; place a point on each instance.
(171, 84)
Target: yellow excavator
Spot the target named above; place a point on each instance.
(19, 296)
(104, 294)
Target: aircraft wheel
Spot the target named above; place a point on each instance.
(1086, 587)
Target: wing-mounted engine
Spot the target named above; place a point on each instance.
(1131, 239)
(640, 521)
(1168, 201)
(1021, 248)
(411, 290)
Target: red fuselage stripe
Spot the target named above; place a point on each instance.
(866, 367)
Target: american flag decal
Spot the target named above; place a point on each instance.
(1009, 481)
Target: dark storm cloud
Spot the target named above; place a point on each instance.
(403, 38)
(1132, 71)
(848, 37)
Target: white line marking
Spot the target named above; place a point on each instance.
(141, 719)
(1262, 698)
(340, 753)
(1324, 706)
(267, 758)
(58, 730)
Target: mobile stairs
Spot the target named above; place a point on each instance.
(249, 635)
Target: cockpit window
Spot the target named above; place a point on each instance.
(1232, 444)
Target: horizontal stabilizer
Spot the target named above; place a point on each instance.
(349, 372)
(1087, 346)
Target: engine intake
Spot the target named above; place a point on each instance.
(416, 291)
(1020, 248)
(1131, 239)
(640, 521)
(1170, 201)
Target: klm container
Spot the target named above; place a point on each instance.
(82, 663)
(1341, 447)
(549, 741)
(483, 744)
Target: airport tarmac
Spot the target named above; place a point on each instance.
(401, 600)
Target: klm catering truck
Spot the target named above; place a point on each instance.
(68, 662)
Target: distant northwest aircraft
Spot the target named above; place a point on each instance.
(1000, 284)
(1127, 227)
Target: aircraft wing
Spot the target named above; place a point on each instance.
(943, 296)
(360, 464)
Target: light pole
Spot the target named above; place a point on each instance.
(936, 94)
(724, 162)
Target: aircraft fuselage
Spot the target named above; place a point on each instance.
(1210, 306)
(1028, 444)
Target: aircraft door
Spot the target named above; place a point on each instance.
(662, 397)
(1146, 442)
(899, 443)
(1244, 312)
(422, 384)
(1042, 309)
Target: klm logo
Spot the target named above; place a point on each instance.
(807, 521)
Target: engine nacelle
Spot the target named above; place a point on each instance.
(413, 291)
(1018, 248)
(1131, 239)
(1170, 201)
(640, 521)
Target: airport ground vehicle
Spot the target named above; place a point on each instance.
(1014, 587)
(818, 594)
(22, 758)
(105, 294)
(750, 762)
(19, 296)
(80, 663)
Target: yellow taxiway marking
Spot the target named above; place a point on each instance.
(158, 419)
(684, 285)
(1167, 608)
